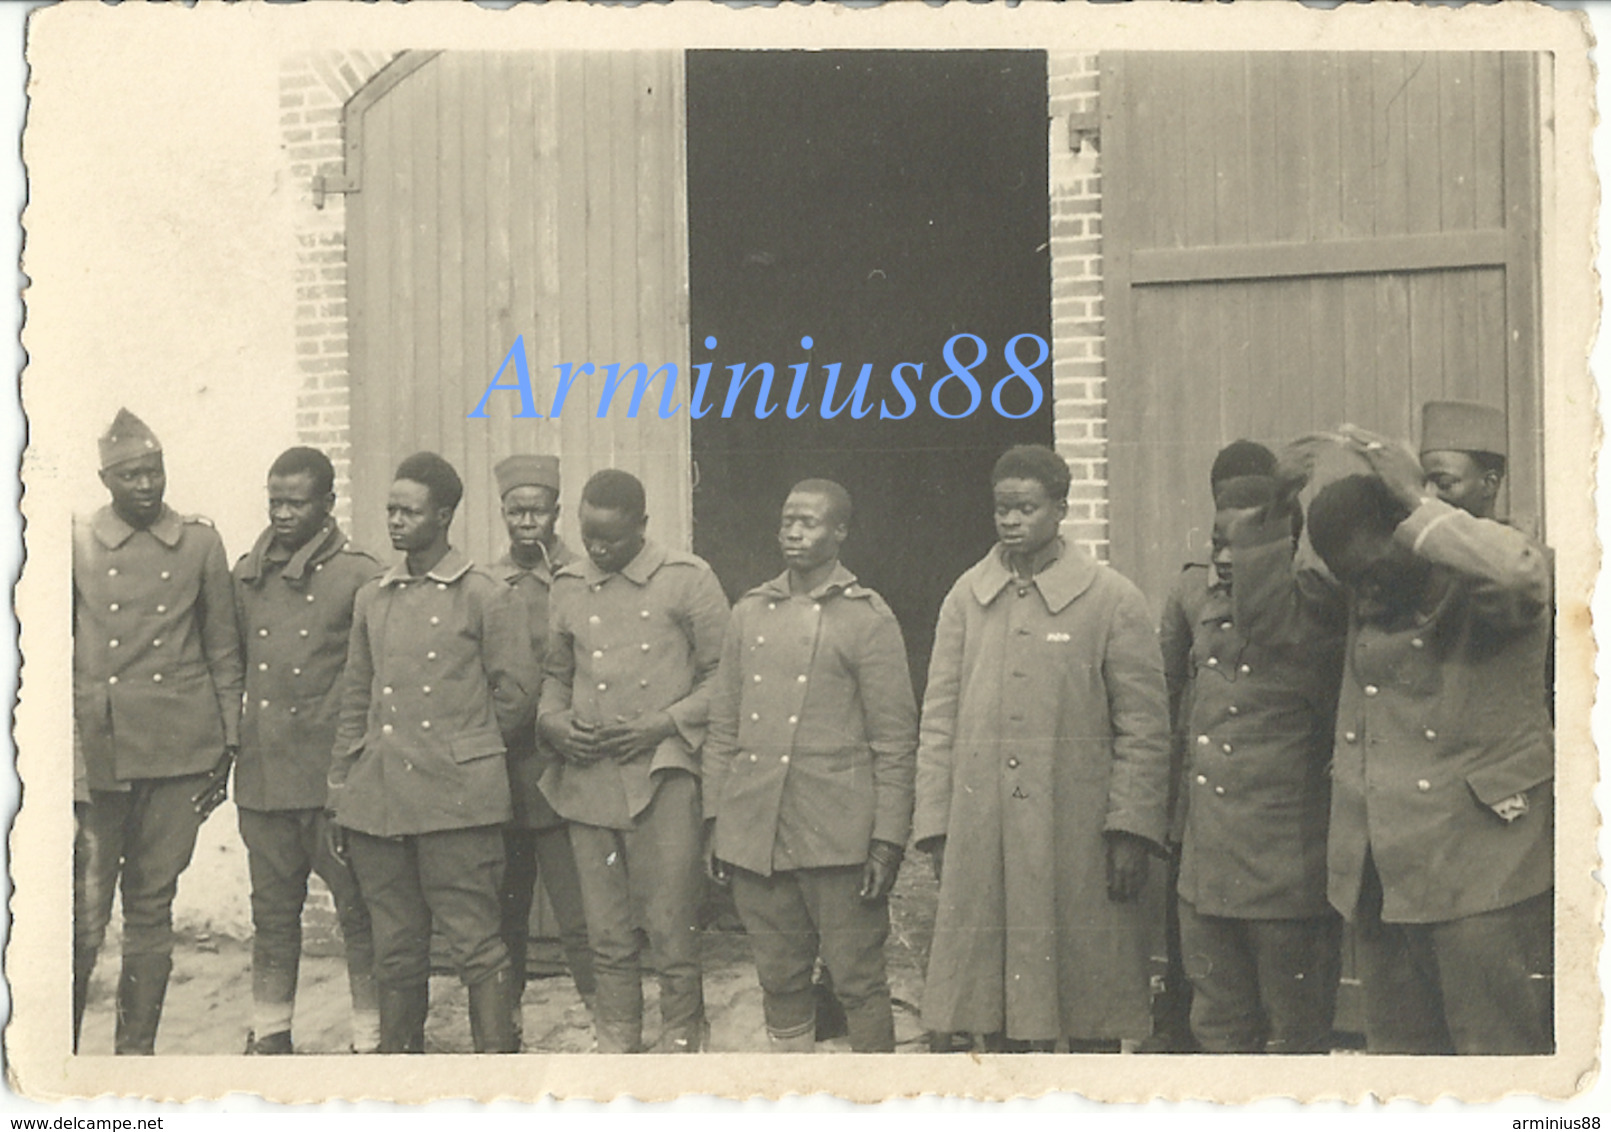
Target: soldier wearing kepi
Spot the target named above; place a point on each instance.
(1259, 942)
(439, 672)
(537, 843)
(1442, 825)
(156, 706)
(635, 635)
(294, 598)
(809, 769)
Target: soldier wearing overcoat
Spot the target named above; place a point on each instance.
(635, 635)
(809, 769)
(294, 594)
(156, 709)
(537, 844)
(1442, 816)
(439, 671)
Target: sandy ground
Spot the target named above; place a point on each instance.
(208, 1008)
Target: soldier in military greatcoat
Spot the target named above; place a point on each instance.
(294, 597)
(156, 706)
(809, 769)
(439, 674)
(537, 843)
(635, 635)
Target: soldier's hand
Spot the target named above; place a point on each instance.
(636, 737)
(935, 848)
(1510, 808)
(576, 742)
(1127, 866)
(718, 870)
(216, 788)
(879, 873)
(1395, 465)
(335, 840)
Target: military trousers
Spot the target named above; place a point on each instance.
(1480, 984)
(654, 867)
(1261, 986)
(138, 840)
(284, 848)
(794, 916)
(544, 854)
(448, 879)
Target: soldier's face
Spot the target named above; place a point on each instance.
(136, 487)
(1026, 516)
(612, 538)
(1460, 481)
(1385, 577)
(412, 520)
(296, 509)
(809, 535)
(529, 514)
(1224, 521)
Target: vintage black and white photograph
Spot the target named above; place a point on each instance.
(1039, 548)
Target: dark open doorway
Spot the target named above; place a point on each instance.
(879, 202)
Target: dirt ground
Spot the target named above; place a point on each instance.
(208, 1008)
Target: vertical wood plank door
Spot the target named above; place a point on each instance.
(495, 196)
(1296, 240)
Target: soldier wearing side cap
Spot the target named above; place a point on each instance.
(809, 770)
(1440, 845)
(635, 635)
(294, 595)
(157, 685)
(439, 677)
(537, 843)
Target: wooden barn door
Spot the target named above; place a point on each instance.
(1296, 240)
(492, 196)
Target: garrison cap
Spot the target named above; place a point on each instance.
(527, 471)
(128, 438)
(1462, 426)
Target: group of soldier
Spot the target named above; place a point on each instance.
(1344, 718)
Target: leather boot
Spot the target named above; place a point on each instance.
(140, 991)
(492, 1022)
(83, 968)
(402, 1018)
(799, 1043)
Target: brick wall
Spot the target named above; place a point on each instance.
(1079, 387)
(313, 88)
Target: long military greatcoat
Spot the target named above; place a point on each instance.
(1045, 725)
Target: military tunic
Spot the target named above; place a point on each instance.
(813, 734)
(296, 619)
(157, 674)
(528, 756)
(439, 669)
(1439, 717)
(1257, 772)
(645, 639)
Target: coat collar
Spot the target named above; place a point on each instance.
(454, 565)
(317, 549)
(1070, 575)
(554, 560)
(841, 580)
(113, 532)
(638, 571)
